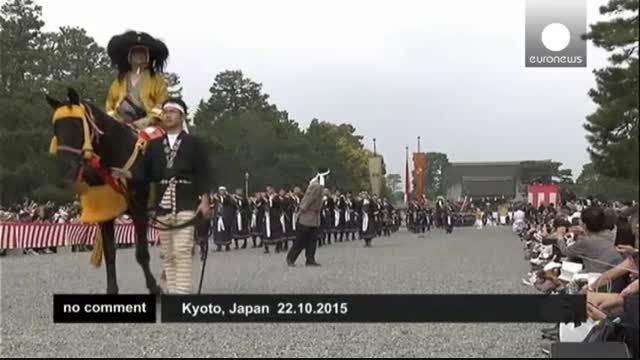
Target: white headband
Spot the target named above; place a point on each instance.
(171, 105)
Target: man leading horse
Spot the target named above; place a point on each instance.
(92, 145)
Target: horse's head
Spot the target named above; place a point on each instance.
(74, 130)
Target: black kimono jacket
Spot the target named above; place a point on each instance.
(190, 164)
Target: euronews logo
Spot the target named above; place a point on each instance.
(553, 33)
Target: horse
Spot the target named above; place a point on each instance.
(89, 145)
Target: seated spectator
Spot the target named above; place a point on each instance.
(610, 221)
(594, 247)
(624, 233)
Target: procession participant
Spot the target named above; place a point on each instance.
(351, 220)
(420, 217)
(257, 203)
(428, 217)
(340, 215)
(285, 218)
(479, 223)
(224, 216)
(357, 209)
(447, 217)
(308, 224)
(387, 217)
(178, 162)
(439, 212)
(273, 223)
(397, 220)
(296, 195)
(377, 215)
(369, 210)
(241, 218)
(137, 94)
(411, 216)
(327, 217)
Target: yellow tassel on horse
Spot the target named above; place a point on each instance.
(100, 203)
(96, 255)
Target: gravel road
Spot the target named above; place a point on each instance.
(468, 261)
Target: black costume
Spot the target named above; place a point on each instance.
(257, 221)
(241, 220)
(369, 212)
(182, 171)
(274, 223)
(224, 216)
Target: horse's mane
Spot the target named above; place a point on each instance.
(103, 117)
(118, 140)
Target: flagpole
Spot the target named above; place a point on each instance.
(406, 177)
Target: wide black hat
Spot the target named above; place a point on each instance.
(120, 45)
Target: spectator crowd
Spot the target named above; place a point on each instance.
(585, 247)
(30, 211)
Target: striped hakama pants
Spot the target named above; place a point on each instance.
(177, 252)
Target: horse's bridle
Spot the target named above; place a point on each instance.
(90, 130)
(87, 155)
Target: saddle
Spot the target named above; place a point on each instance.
(151, 132)
(104, 202)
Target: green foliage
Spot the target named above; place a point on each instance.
(546, 172)
(590, 183)
(394, 182)
(613, 127)
(437, 164)
(245, 133)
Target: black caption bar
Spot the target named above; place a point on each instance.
(374, 308)
(104, 308)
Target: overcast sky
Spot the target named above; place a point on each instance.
(450, 71)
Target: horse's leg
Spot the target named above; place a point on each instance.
(141, 223)
(109, 250)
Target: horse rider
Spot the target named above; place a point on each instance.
(137, 94)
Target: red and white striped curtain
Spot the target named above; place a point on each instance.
(40, 235)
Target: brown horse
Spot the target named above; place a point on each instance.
(89, 145)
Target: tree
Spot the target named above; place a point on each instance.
(588, 175)
(34, 63)
(22, 125)
(245, 133)
(437, 164)
(242, 130)
(545, 172)
(590, 183)
(394, 182)
(77, 61)
(231, 93)
(20, 34)
(564, 176)
(613, 127)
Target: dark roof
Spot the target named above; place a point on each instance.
(456, 173)
(495, 163)
(496, 186)
(488, 169)
(487, 178)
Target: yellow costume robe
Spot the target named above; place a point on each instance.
(153, 93)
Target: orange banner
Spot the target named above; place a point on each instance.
(420, 166)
